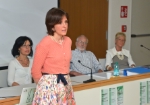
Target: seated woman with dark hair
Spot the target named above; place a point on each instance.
(19, 69)
(118, 54)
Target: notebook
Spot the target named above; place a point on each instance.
(27, 96)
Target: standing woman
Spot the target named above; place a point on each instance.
(19, 69)
(52, 61)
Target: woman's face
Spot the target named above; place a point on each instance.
(62, 27)
(25, 49)
(120, 41)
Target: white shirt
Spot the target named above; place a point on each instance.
(112, 52)
(18, 73)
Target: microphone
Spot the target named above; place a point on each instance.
(91, 79)
(145, 47)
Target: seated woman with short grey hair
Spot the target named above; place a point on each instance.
(118, 54)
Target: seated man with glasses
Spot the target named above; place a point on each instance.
(83, 61)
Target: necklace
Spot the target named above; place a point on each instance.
(120, 56)
(24, 62)
(60, 41)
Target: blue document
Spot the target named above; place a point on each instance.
(138, 70)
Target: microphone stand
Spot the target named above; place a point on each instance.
(145, 47)
(146, 66)
(91, 79)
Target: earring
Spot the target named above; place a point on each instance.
(53, 29)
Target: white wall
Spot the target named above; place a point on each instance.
(21, 18)
(140, 17)
(140, 24)
(115, 22)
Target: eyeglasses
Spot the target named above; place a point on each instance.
(26, 46)
(81, 42)
(122, 40)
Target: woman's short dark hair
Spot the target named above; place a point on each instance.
(18, 43)
(53, 17)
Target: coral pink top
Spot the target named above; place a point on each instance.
(51, 57)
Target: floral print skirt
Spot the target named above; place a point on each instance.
(49, 92)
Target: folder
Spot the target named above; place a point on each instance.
(137, 70)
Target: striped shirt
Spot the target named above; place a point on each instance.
(87, 58)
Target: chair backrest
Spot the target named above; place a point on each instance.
(3, 78)
(102, 61)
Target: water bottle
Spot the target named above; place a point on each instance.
(116, 69)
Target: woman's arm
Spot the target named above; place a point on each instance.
(130, 61)
(11, 74)
(108, 61)
(38, 62)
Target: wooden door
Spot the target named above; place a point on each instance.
(89, 18)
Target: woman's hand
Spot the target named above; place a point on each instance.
(36, 80)
(109, 68)
(132, 66)
(15, 84)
